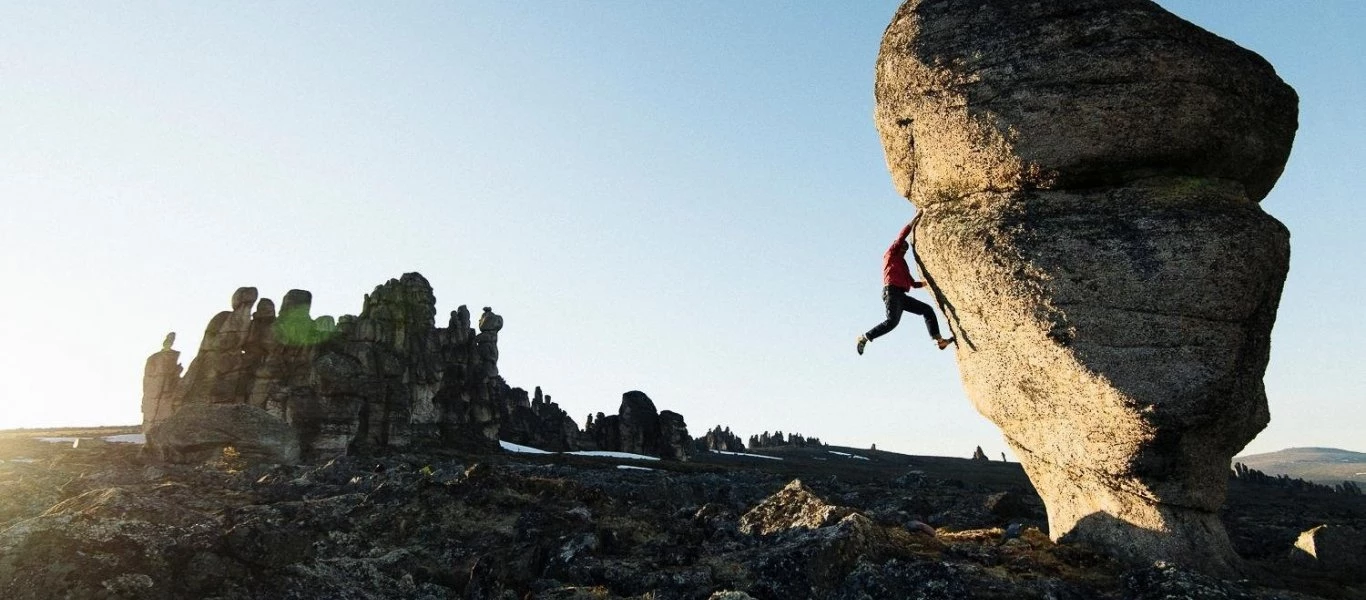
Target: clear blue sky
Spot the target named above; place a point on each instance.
(686, 198)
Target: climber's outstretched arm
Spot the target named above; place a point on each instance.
(905, 233)
(898, 248)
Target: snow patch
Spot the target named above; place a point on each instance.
(611, 454)
(848, 455)
(747, 454)
(122, 438)
(634, 468)
(511, 447)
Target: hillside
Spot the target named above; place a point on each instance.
(1328, 466)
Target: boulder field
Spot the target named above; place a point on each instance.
(108, 521)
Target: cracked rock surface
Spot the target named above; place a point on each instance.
(1088, 175)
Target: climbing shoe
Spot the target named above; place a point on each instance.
(945, 343)
(862, 341)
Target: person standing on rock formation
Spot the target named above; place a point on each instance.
(897, 282)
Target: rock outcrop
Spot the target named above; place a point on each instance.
(720, 439)
(777, 440)
(160, 378)
(674, 442)
(638, 424)
(1088, 175)
(638, 428)
(388, 378)
(539, 422)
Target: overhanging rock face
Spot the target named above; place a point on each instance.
(1087, 174)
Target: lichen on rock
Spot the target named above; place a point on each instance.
(794, 506)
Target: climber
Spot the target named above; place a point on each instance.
(897, 282)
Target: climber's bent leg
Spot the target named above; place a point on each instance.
(893, 298)
(912, 305)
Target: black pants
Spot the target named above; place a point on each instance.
(898, 301)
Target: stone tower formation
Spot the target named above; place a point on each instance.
(388, 378)
(1087, 174)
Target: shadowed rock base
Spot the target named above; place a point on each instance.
(1118, 339)
(1130, 527)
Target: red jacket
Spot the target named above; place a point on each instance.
(895, 271)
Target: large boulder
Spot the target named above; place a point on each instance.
(1001, 95)
(201, 432)
(794, 506)
(812, 547)
(1087, 174)
(1332, 548)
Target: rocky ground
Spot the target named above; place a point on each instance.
(100, 521)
